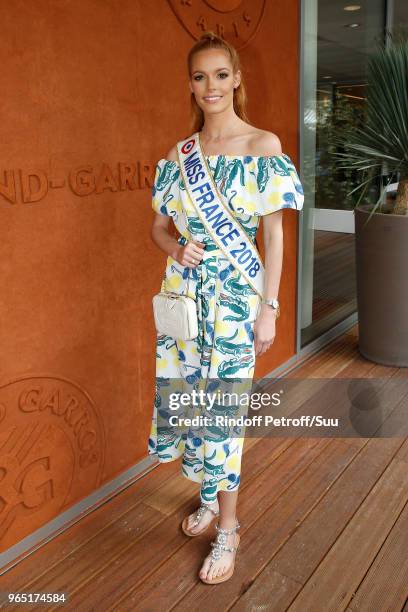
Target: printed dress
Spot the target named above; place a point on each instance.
(227, 308)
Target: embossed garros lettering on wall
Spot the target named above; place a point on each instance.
(33, 185)
(52, 447)
(234, 20)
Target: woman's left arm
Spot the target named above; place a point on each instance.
(264, 328)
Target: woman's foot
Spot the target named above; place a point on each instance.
(198, 521)
(220, 561)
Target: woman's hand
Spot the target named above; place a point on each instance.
(191, 254)
(264, 329)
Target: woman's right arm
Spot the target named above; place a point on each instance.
(160, 235)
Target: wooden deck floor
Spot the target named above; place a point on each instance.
(324, 527)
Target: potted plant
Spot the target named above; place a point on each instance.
(379, 148)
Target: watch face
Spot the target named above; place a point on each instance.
(274, 303)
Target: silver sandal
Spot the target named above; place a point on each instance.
(218, 548)
(199, 515)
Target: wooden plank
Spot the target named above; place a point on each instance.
(159, 551)
(361, 409)
(328, 362)
(340, 399)
(337, 577)
(85, 562)
(287, 572)
(43, 559)
(332, 399)
(117, 535)
(309, 363)
(385, 586)
(269, 510)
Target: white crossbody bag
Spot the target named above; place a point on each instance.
(175, 314)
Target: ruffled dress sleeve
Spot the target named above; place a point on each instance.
(165, 186)
(279, 185)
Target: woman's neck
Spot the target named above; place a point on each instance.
(221, 126)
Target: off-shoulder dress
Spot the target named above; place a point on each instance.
(227, 307)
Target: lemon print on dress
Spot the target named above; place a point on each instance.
(233, 462)
(252, 187)
(174, 282)
(220, 454)
(178, 205)
(238, 201)
(250, 206)
(222, 327)
(274, 198)
(277, 181)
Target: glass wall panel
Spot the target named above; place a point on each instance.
(337, 39)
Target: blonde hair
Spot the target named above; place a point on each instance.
(209, 40)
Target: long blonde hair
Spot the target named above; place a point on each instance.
(209, 40)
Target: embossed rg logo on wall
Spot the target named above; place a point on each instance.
(52, 448)
(85, 180)
(234, 20)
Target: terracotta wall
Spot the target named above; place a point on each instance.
(93, 94)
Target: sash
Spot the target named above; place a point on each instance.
(223, 227)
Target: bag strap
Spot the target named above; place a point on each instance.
(202, 190)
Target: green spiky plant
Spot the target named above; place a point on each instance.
(380, 146)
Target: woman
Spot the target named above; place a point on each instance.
(254, 179)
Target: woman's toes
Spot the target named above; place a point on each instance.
(190, 523)
(205, 568)
(210, 571)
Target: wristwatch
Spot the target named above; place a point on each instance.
(274, 304)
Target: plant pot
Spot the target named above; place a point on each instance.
(382, 286)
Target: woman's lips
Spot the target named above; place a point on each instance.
(212, 99)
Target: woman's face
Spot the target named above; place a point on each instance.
(212, 81)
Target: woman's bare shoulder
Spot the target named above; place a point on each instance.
(172, 154)
(264, 143)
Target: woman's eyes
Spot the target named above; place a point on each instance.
(221, 74)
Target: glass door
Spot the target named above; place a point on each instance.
(337, 38)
